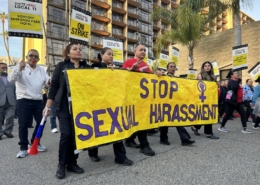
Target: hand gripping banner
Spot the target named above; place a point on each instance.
(109, 106)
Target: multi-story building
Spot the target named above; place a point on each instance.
(128, 20)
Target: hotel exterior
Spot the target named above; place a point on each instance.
(128, 20)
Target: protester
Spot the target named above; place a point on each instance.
(222, 98)
(105, 60)
(207, 73)
(255, 104)
(58, 95)
(234, 102)
(184, 135)
(248, 92)
(29, 78)
(137, 64)
(7, 103)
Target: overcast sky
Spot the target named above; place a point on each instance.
(15, 43)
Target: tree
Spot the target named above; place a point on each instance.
(4, 33)
(188, 25)
(235, 6)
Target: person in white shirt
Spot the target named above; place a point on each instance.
(29, 79)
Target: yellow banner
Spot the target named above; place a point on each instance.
(132, 101)
(24, 21)
(79, 29)
(240, 60)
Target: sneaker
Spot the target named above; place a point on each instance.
(55, 130)
(253, 124)
(222, 129)
(247, 131)
(22, 154)
(41, 148)
(256, 128)
(249, 122)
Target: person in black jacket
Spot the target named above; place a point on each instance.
(58, 95)
(106, 59)
(222, 96)
(234, 102)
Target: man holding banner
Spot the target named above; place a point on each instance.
(137, 64)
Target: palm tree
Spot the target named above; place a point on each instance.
(188, 25)
(235, 6)
(4, 17)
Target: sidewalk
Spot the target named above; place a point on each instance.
(234, 159)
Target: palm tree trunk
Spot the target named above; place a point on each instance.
(237, 26)
(190, 59)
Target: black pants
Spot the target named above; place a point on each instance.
(207, 129)
(257, 121)
(221, 109)
(119, 151)
(66, 146)
(249, 112)
(230, 109)
(184, 135)
(26, 110)
(142, 137)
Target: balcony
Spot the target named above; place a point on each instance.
(132, 25)
(166, 1)
(100, 15)
(204, 10)
(99, 29)
(134, 3)
(118, 7)
(118, 34)
(175, 3)
(224, 27)
(56, 19)
(94, 55)
(146, 7)
(145, 30)
(60, 4)
(56, 35)
(219, 24)
(156, 25)
(54, 51)
(224, 20)
(133, 13)
(85, 56)
(145, 19)
(119, 21)
(101, 3)
(130, 49)
(132, 37)
(96, 42)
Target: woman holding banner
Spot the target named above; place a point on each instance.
(58, 95)
(234, 101)
(106, 59)
(207, 73)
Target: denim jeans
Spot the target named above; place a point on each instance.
(53, 117)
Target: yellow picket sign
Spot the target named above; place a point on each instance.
(129, 102)
(25, 21)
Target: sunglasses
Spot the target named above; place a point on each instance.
(33, 56)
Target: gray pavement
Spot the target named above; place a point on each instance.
(233, 159)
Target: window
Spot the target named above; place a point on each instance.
(132, 9)
(117, 17)
(144, 15)
(79, 3)
(56, 14)
(55, 30)
(117, 4)
(98, 11)
(117, 30)
(132, 22)
(96, 40)
(132, 34)
(143, 27)
(98, 25)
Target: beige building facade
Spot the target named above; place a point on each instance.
(219, 47)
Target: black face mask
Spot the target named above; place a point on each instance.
(3, 73)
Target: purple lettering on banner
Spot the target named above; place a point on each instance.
(173, 88)
(153, 113)
(135, 122)
(159, 117)
(115, 123)
(205, 113)
(142, 82)
(98, 123)
(154, 87)
(167, 111)
(198, 113)
(215, 110)
(84, 126)
(176, 113)
(129, 116)
(126, 127)
(163, 95)
(192, 113)
(184, 112)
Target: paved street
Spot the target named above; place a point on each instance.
(233, 159)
